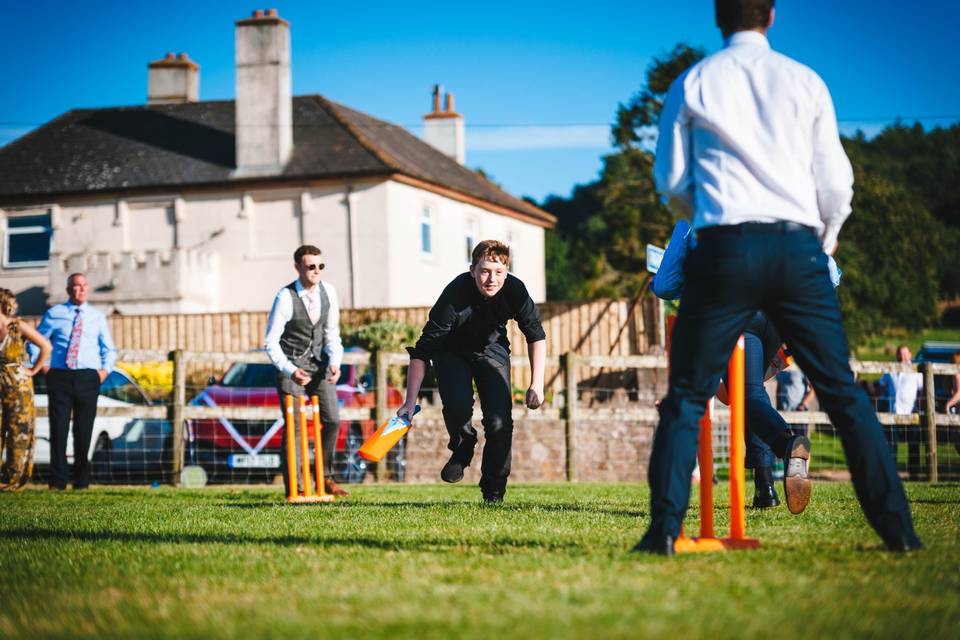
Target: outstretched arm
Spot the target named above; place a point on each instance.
(537, 352)
(415, 375)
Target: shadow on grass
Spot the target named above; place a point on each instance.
(524, 507)
(419, 544)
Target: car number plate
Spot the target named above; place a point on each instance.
(258, 461)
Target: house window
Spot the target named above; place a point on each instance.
(27, 241)
(426, 226)
(470, 240)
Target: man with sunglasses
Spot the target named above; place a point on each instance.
(303, 342)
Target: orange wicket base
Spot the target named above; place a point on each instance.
(308, 499)
(708, 545)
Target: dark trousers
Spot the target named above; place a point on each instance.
(762, 421)
(329, 418)
(456, 374)
(733, 272)
(71, 393)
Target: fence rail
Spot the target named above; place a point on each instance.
(568, 405)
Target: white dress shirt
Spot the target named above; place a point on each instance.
(282, 311)
(902, 388)
(749, 135)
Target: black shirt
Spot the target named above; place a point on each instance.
(463, 321)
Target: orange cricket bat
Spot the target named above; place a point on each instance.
(386, 437)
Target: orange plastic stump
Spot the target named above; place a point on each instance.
(706, 541)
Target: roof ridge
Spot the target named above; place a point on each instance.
(331, 108)
(384, 157)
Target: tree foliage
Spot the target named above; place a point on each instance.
(897, 250)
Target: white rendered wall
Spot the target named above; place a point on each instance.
(416, 279)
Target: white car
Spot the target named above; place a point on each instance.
(121, 449)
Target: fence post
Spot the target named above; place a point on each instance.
(570, 425)
(380, 471)
(176, 417)
(930, 417)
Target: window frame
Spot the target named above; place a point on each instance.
(9, 231)
(426, 225)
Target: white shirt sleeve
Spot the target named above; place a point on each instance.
(331, 330)
(280, 315)
(672, 169)
(832, 172)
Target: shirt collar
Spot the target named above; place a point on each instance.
(302, 289)
(747, 37)
(73, 307)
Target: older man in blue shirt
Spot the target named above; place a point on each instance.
(83, 355)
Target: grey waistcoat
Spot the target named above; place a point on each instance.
(302, 341)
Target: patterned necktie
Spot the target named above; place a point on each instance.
(73, 351)
(312, 309)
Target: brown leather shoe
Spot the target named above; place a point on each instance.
(333, 488)
(796, 477)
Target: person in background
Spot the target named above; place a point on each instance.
(83, 355)
(303, 343)
(899, 391)
(953, 402)
(16, 393)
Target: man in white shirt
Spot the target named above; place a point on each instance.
(749, 149)
(902, 387)
(303, 342)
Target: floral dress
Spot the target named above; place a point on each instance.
(16, 412)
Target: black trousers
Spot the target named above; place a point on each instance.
(732, 273)
(329, 418)
(456, 374)
(71, 393)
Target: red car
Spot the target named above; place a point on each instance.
(233, 450)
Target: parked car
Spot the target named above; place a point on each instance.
(235, 449)
(122, 449)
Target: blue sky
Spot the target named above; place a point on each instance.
(538, 82)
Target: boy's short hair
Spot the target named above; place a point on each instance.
(305, 250)
(492, 250)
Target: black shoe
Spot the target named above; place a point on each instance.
(493, 498)
(453, 470)
(658, 545)
(797, 485)
(764, 496)
(904, 543)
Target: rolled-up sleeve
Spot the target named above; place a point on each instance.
(527, 316)
(668, 281)
(833, 175)
(672, 169)
(332, 344)
(280, 314)
(108, 351)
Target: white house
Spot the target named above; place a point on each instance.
(181, 206)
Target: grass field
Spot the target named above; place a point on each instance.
(432, 562)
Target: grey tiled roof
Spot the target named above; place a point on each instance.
(168, 146)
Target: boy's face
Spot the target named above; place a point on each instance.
(489, 276)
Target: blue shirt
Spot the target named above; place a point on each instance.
(668, 281)
(96, 346)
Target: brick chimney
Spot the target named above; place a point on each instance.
(264, 119)
(173, 80)
(443, 130)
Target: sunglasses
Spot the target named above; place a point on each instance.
(314, 267)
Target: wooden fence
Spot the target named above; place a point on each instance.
(602, 327)
(570, 410)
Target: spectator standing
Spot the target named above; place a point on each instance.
(83, 355)
(16, 393)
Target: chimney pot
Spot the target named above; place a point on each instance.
(449, 106)
(258, 13)
(436, 98)
(182, 56)
(272, 13)
(170, 56)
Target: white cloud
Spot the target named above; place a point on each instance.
(524, 138)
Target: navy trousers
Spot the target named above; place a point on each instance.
(733, 272)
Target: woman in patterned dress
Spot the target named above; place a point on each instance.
(16, 393)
